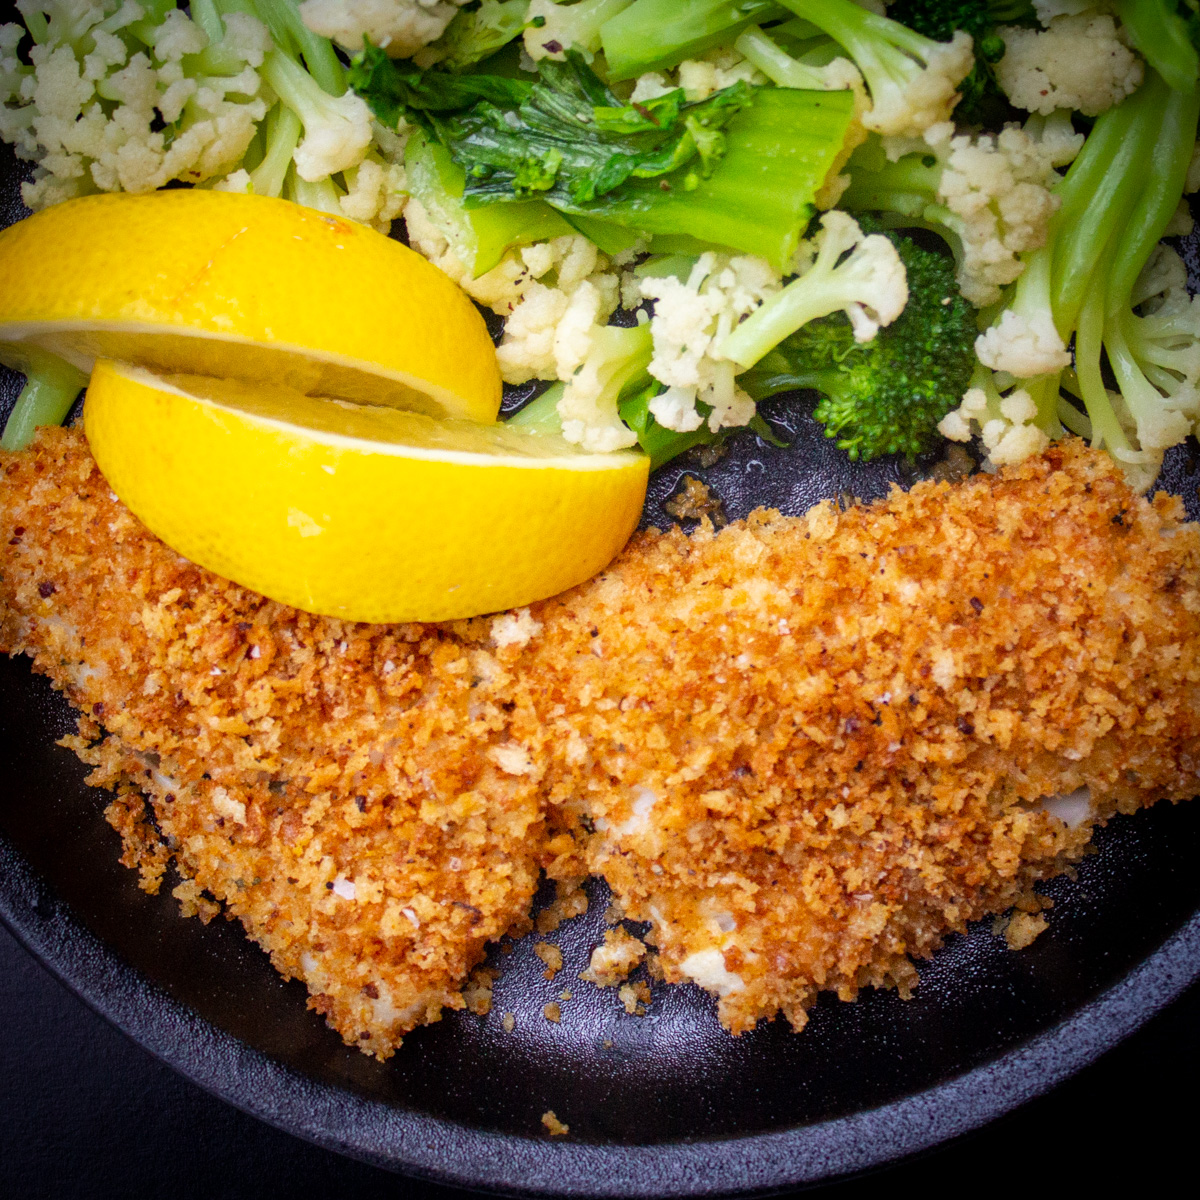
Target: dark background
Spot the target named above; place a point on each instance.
(86, 1113)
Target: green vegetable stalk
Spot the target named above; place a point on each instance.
(51, 387)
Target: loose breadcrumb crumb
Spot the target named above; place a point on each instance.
(509, 1022)
(554, 1126)
(635, 997)
(1021, 929)
(552, 1012)
(551, 955)
(614, 958)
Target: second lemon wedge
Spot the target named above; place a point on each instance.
(360, 512)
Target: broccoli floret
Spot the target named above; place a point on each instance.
(982, 101)
(885, 396)
(912, 78)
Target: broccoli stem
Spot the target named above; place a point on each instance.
(290, 33)
(283, 135)
(205, 14)
(1089, 341)
(778, 153)
(480, 236)
(323, 194)
(1099, 194)
(653, 34)
(540, 415)
(51, 387)
(1158, 195)
(877, 44)
(298, 89)
(1157, 30)
(777, 65)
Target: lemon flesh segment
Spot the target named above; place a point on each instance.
(363, 513)
(229, 285)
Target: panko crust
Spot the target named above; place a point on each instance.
(805, 748)
(286, 756)
(814, 746)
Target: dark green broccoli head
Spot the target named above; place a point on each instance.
(887, 395)
(982, 101)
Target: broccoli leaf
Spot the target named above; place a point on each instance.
(572, 141)
(392, 91)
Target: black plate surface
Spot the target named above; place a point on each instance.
(665, 1104)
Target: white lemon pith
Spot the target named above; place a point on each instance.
(364, 513)
(247, 287)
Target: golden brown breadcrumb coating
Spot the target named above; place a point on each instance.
(804, 748)
(329, 783)
(812, 747)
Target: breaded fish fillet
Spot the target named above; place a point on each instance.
(329, 783)
(810, 748)
(804, 748)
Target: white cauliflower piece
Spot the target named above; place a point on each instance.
(650, 86)
(588, 406)
(715, 70)
(691, 319)
(1007, 429)
(1023, 347)
(1079, 62)
(905, 104)
(997, 192)
(89, 110)
(376, 195)
(1047, 10)
(401, 27)
(554, 294)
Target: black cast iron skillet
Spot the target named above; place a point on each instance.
(661, 1105)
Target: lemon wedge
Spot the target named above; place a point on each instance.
(359, 512)
(246, 287)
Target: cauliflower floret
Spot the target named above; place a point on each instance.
(401, 27)
(1022, 347)
(997, 191)
(555, 294)
(501, 288)
(1079, 62)
(1009, 435)
(717, 69)
(1047, 10)
(376, 193)
(90, 113)
(693, 317)
(907, 108)
(650, 86)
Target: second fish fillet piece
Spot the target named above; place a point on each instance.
(808, 749)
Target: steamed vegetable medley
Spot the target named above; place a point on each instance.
(947, 219)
